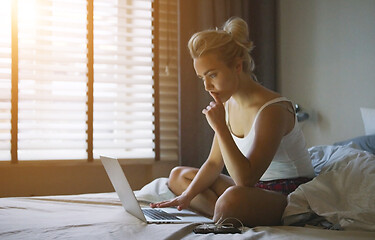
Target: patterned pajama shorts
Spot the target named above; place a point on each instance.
(284, 186)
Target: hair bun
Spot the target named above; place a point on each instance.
(239, 31)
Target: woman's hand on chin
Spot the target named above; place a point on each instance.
(215, 113)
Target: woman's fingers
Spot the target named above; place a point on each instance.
(209, 107)
(157, 204)
(216, 98)
(171, 203)
(205, 110)
(176, 202)
(215, 113)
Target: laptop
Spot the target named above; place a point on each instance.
(146, 214)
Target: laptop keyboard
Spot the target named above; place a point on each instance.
(157, 214)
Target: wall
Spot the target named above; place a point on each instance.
(326, 63)
(72, 177)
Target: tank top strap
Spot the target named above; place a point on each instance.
(226, 111)
(226, 106)
(272, 101)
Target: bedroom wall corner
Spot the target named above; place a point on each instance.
(326, 62)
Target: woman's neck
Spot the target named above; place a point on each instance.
(247, 91)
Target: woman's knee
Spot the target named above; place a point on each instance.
(251, 205)
(175, 173)
(178, 173)
(179, 178)
(226, 203)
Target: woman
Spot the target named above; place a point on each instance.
(257, 137)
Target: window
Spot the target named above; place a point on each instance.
(52, 78)
(123, 84)
(5, 80)
(88, 77)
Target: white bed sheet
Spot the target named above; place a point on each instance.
(89, 216)
(101, 216)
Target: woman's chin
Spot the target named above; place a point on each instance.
(223, 98)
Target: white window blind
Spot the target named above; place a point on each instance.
(5, 80)
(168, 80)
(52, 79)
(123, 79)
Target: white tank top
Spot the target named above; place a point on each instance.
(291, 160)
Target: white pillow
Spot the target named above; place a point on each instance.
(368, 117)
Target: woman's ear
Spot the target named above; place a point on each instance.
(239, 65)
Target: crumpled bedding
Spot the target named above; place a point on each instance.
(343, 192)
(155, 191)
(101, 216)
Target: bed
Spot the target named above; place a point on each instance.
(339, 203)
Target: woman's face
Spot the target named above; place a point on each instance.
(217, 77)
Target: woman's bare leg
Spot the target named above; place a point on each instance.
(181, 177)
(253, 206)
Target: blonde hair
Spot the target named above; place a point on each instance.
(228, 43)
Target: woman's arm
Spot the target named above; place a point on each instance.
(205, 177)
(272, 124)
(208, 173)
(270, 128)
